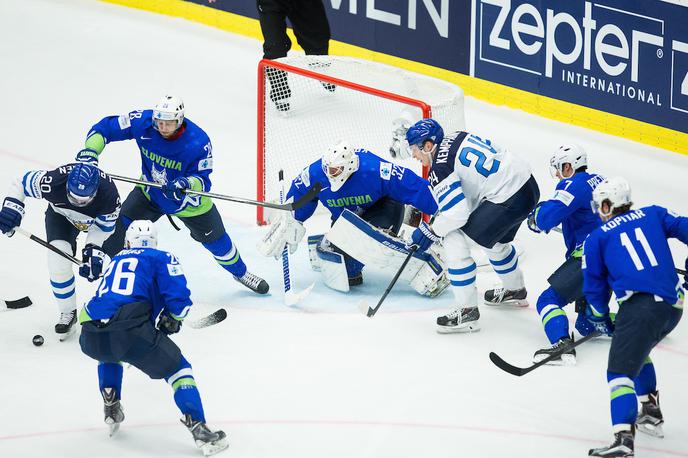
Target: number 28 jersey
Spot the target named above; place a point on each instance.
(468, 170)
(630, 253)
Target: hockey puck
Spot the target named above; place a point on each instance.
(38, 340)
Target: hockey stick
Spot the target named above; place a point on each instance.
(47, 245)
(217, 316)
(520, 371)
(290, 297)
(174, 225)
(18, 303)
(371, 311)
(303, 200)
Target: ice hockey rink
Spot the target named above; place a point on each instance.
(315, 382)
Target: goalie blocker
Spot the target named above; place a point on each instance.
(426, 272)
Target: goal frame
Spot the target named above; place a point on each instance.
(261, 104)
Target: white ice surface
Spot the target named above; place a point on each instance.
(285, 383)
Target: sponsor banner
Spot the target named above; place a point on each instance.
(628, 58)
(433, 32)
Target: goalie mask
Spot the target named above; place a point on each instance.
(169, 108)
(615, 191)
(339, 163)
(141, 234)
(567, 154)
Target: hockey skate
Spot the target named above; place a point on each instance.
(568, 358)
(112, 408)
(621, 447)
(210, 442)
(253, 282)
(356, 279)
(460, 320)
(501, 296)
(650, 417)
(65, 325)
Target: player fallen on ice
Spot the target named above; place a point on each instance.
(484, 193)
(366, 197)
(81, 198)
(570, 208)
(630, 253)
(177, 154)
(143, 285)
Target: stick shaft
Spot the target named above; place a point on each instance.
(47, 245)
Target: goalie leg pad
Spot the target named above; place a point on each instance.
(333, 268)
(314, 242)
(504, 260)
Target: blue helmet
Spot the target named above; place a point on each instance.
(425, 129)
(82, 184)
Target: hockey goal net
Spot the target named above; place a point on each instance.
(308, 103)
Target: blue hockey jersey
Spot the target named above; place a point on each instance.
(374, 179)
(140, 275)
(570, 207)
(630, 253)
(188, 155)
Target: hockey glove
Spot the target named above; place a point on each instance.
(174, 190)
(532, 220)
(286, 231)
(87, 156)
(399, 149)
(11, 215)
(94, 262)
(422, 238)
(167, 324)
(602, 324)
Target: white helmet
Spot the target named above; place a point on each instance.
(169, 108)
(338, 163)
(615, 191)
(141, 234)
(568, 154)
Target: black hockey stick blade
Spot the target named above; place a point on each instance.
(306, 198)
(216, 317)
(18, 303)
(520, 371)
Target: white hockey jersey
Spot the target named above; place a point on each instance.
(468, 170)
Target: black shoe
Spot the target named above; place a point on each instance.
(501, 296)
(650, 418)
(620, 448)
(253, 282)
(65, 323)
(112, 408)
(210, 442)
(568, 358)
(356, 280)
(460, 320)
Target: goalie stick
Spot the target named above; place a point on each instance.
(520, 371)
(303, 200)
(290, 297)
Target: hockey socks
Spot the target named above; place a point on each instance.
(624, 403)
(554, 320)
(226, 255)
(186, 395)
(646, 381)
(110, 376)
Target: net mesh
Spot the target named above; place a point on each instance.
(300, 116)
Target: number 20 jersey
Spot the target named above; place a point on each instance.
(468, 170)
(630, 253)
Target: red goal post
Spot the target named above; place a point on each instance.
(308, 103)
